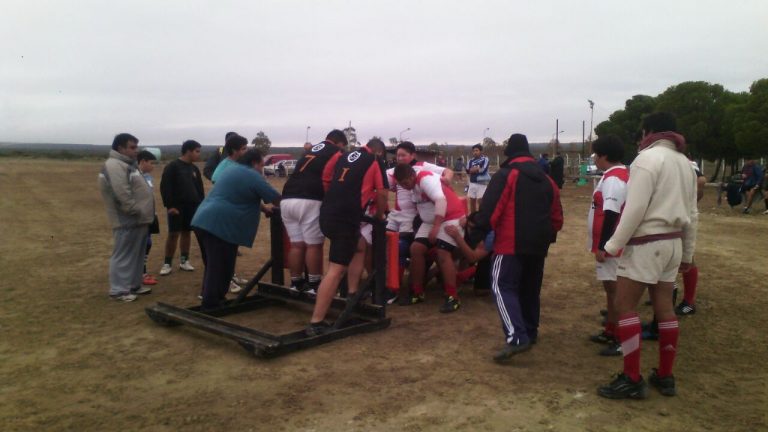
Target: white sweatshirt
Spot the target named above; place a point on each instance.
(661, 198)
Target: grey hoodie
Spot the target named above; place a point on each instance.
(127, 196)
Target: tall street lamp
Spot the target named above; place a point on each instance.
(484, 131)
(591, 116)
(402, 132)
(306, 140)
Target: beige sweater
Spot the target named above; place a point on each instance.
(661, 198)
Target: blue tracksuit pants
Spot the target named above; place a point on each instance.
(516, 285)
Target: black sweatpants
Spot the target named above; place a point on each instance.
(219, 259)
(516, 283)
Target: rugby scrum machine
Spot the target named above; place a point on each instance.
(354, 316)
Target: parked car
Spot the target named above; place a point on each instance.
(281, 168)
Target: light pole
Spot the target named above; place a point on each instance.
(591, 116)
(306, 140)
(484, 131)
(402, 132)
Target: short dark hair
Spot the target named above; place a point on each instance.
(377, 145)
(122, 140)
(403, 171)
(407, 146)
(659, 122)
(145, 155)
(338, 137)
(229, 134)
(609, 146)
(188, 146)
(234, 143)
(477, 146)
(250, 157)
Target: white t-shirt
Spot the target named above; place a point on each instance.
(609, 195)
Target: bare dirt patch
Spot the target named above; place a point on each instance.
(70, 359)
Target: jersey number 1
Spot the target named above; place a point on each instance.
(343, 173)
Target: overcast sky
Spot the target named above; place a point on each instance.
(82, 71)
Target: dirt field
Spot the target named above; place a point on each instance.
(71, 359)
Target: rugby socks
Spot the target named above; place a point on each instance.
(297, 282)
(450, 290)
(417, 288)
(668, 335)
(168, 260)
(690, 280)
(314, 281)
(184, 257)
(465, 274)
(628, 332)
(610, 329)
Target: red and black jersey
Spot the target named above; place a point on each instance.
(357, 176)
(306, 180)
(522, 205)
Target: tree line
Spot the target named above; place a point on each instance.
(718, 125)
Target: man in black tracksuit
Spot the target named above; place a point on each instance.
(522, 206)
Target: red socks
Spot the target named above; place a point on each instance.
(690, 279)
(628, 333)
(465, 274)
(668, 334)
(450, 290)
(610, 328)
(417, 288)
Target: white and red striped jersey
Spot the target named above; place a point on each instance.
(403, 197)
(428, 189)
(610, 194)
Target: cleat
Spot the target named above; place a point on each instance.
(602, 338)
(165, 270)
(317, 329)
(684, 309)
(665, 385)
(612, 350)
(234, 288)
(390, 297)
(123, 298)
(505, 355)
(412, 300)
(238, 280)
(186, 266)
(624, 388)
(452, 304)
(141, 290)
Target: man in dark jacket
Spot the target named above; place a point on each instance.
(181, 188)
(557, 170)
(522, 206)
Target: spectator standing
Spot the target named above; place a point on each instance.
(477, 168)
(228, 218)
(557, 170)
(753, 175)
(544, 163)
(181, 188)
(235, 147)
(130, 208)
(458, 168)
(522, 206)
(213, 160)
(657, 233)
(146, 163)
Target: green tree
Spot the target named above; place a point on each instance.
(625, 123)
(750, 121)
(262, 142)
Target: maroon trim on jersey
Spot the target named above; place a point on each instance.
(654, 237)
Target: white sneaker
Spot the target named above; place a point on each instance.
(186, 266)
(765, 212)
(234, 288)
(141, 290)
(165, 270)
(239, 280)
(123, 298)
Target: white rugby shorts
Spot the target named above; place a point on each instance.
(301, 218)
(653, 262)
(476, 190)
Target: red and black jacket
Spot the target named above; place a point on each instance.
(522, 205)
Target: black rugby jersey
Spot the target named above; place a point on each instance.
(306, 180)
(343, 201)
